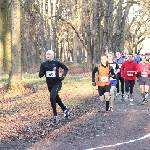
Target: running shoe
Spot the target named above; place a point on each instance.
(131, 102)
(146, 94)
(143, 102)
(117, 95)
(122, 99)
(110, 108)
(66, 113)
(55, 119)
(106, 113)
(126, 96)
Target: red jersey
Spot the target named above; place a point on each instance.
(144, 69)
(129, 70)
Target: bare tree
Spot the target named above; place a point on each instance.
(15, 77)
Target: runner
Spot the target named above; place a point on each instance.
(113, 81)
(50, 68)
(128, 72)
(103, 81)
(143, 79)
(137, 58)
(147, 55)
(119, 60)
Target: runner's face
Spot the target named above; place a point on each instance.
(110, 57)
(103, 60)
(129, 57)
(118, 55)
(143, 58)
(49, 56)
(147, 56)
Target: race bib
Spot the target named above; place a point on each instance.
(50, 74)
(130, 73)
(104, 79)
(144, 74)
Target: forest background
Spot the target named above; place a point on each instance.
(79, 31)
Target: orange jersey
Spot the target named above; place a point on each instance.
(103, 75)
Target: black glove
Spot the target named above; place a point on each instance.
(94, 83)
(61, 78)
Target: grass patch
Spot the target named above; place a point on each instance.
(35, 80)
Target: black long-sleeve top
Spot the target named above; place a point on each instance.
(51, 70)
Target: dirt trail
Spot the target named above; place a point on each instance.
(25, 122)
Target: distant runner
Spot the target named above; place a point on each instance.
(143, 78)
(113, 81)
(128, 71)
(119, 60)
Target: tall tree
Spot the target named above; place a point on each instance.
(6, 35)
(15, 76)
(1, 37)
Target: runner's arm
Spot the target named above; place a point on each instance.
(122, 70)
(93, 73)
(42, 70)
(65, 69)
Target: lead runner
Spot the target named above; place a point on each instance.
(50, 69)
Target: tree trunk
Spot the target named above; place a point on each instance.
(1, 38)
(15, 76)
(88, 37)
(6, 36)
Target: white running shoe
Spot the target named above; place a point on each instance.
(131, 102)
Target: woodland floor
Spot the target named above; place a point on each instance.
(26, 121)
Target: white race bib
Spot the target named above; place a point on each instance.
(144, 74)
(104, 79)
(50, 74)
(130, 73)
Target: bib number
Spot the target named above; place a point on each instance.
(50, 74)
(130, 73)
(144, 74)
(104, 79)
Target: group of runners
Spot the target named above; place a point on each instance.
(124, 71)
(111, 71)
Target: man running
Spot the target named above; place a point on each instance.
(119, 60)
(103, 81)
(128, 72)
(50, 69)
(147, 55)
(113, 81)
(137, 58)
(143, 79)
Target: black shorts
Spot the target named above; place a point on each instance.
(103, 89)
(144, 81)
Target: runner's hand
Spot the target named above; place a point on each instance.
(112, 76)
(62, 78)
(94, 83)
